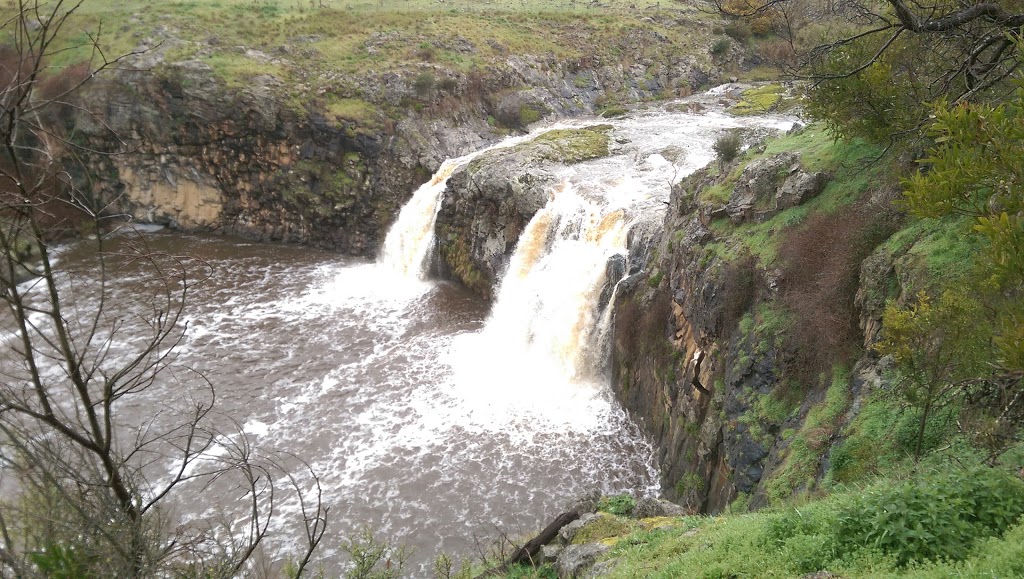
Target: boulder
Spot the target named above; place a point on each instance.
(568, 532)
(758, 184)
(575, 560)
(799, 188)
(650, 507)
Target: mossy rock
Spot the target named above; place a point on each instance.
(455, 252)
(603, 528)
(570, 146)
(758, 101)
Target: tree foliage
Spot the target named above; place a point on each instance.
(87, 501)
(936, 344)
(874, 66)
(975, 169)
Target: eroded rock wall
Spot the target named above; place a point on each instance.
(197, 155)
(692, 365)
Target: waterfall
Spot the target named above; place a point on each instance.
(410, 239)
(534, 360)
(547, 305)
(541, 356)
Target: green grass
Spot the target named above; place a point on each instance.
(322, 48)
(800, 467)
(889, 529)
(853, 173)
(355, 110)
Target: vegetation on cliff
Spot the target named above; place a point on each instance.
(868, 334)
(373, 62)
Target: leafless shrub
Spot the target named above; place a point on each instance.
(820, 274)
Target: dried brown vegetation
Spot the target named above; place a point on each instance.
(820, 274)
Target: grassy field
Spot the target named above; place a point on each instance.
(318, 44)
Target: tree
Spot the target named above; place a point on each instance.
(86, 502)
(876, 65)
(936, 345)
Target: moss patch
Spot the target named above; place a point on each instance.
(605, 526)
(571, 145)
(455, 252)
(758, 101)
(799, 468)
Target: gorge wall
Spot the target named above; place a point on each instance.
(744, 348)
(263, 162)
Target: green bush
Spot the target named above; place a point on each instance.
(939, 515)
(727, 147)
(721, 46)
(424, 83)
(620, 505)
(738, 31)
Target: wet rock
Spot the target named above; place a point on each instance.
(615, 269)
(490, 202)
(574, 560)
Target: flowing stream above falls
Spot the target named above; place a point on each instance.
(428, 417)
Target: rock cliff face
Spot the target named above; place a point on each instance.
(699, 356)
(202, 156)
(248, 161)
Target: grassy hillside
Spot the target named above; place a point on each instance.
(317, 42)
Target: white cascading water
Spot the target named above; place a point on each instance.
(546, 336)
(545, 313)
(412, 235)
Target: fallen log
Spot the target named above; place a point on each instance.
(527, 552)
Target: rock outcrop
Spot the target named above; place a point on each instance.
(198, 154)
(489, 203)
(681, 366)
(770, 185)
(203, 156)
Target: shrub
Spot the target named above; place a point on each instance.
(620, 505)
(778, 52)
(740, 287)
(447, 85)
(820, 274)
(727, 147)
(720, 46)
(738, 31)
(938, 515)
(424, 83)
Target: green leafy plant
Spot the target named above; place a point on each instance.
(727, 147)
(938, 515)
(620, 505)
(936, 344)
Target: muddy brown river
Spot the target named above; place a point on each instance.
(431, 417)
